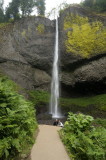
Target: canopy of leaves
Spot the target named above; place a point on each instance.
(12, 11)
(1, 11)
(41, 7)
(22, 8)
(27, 6)
(17, 122)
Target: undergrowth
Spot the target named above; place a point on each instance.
(17, 122)
(42, 97)
(82, 140)
(99, 101)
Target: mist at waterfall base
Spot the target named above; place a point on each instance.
(54, 109)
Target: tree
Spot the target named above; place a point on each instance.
(41, 7)
(1, 11)
(20, 6)
(27, 6)
(13, 10)
(97, 5)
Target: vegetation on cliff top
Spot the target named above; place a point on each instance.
(17, 122)
(82, 140)
(20, 8)
(84, 38)
(96, 5)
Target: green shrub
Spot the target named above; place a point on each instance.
(83, 141)
(78, 122)
(17, 122)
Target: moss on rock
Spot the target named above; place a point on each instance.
(95, 105)
(41, 28)
(85, 38)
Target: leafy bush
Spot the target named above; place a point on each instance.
(83, 141)
(78, 122)
(17, 122)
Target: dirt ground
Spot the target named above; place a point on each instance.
(48, 145)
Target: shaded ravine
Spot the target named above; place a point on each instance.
(48, 145)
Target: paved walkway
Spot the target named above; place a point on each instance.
(48, 145)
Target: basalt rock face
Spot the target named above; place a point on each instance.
(81, 76)
(26, 56)
(26, 52)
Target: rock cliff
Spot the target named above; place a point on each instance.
(26, 55)
(79, 74)
(26, 51)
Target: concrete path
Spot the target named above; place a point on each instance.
(48, 145)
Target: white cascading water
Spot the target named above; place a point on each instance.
(54, 110)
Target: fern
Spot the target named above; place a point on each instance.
(82, 140)
(17, 121)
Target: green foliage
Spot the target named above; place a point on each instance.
(42, 98)
(41, 7)
(97, 5)
(72, 19)
(3, 25)
(78, 122)
(41, 28)
(1, 16)
(83, 142)
(23, 33)
(17, 121)
(84, 38)
(99, 122)
(27, 6)
(39, 97)
(99, 101)
(13, 10)
(1, 11)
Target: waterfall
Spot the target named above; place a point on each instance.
(54, 110)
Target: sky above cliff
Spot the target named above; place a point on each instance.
(50, 4)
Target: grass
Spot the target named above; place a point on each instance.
(99, 101)
(41, 99)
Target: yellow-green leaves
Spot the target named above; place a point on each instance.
(74, 19)
(41, 28)
(86, 38)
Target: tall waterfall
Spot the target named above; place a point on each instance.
(54, 110)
